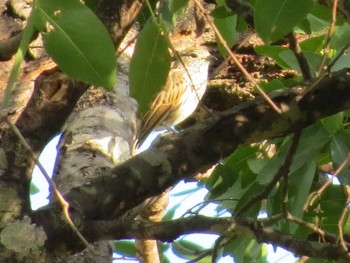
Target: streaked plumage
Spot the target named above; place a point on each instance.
(178, 99)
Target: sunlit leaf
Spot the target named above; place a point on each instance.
(274, 84)
(149, 66)
(313, 44)
(276, 18)
(77, 40)
(225, 21)
(225, 175)
(162, 248)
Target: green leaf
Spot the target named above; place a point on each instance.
(340, 149)
(342, 62)
(250, 192)
(273, 52)
(346, 226)
(168, 11)
(33, 188)
(171, 212)
(274, 84)
(177, 5)
(276, 18)
(77, 41)
(302, 169)
(226, 22)
(341, 36)
(125, 248)
(312, 59)
(299, 188)
(186, 249)
(162, 248)
(244, 249)
(327, 209)
(22, 50)
(313, 139)
(319, 18)
(149, 66)
(225, 175)
(222, 178)
(333, 123)
(314, 44)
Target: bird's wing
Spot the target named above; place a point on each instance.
(166, 101)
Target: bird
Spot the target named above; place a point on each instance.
(181, 93)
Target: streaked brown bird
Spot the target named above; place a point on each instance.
(181, 93)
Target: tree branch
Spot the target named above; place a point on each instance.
(168, 231)
(197, 148)
(294, 244)
(180, 156)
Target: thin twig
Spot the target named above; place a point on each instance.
(235, 60)
(316, 194)
(326, 236)
(311, 226)
(226, 60)
(327, 45)
(272, 220)
(217, 245)
(321, 71)
(204, 254)
(302, 61)
(342, 219)
(203, 204)
(64, 204)
(223, 242)
(338, 56)
(313, 85)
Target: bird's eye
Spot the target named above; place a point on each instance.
(193, 55)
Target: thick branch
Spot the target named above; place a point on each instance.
(193, 150)
(168, 231)
(118, 16)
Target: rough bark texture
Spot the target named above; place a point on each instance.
(112, 196)
(104, 189)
